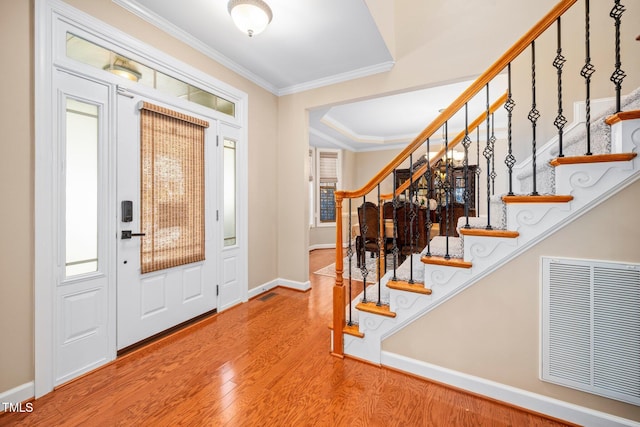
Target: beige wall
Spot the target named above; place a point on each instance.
(17, 170)
(492, 329)
(16, 190)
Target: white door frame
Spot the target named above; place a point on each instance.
(52, 18)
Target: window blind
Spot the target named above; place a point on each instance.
(328, 167)
(172, 188)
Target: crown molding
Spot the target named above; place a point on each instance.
(338, 78)
(193, 42)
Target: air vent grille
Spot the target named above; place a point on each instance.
(591, 327)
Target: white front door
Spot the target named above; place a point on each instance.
(155, 301)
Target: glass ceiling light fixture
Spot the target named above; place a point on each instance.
(121, 67)
(250, 16)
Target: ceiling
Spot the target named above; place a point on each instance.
(335, 40)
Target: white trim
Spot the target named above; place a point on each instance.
(505, 393)
(322, 246)
(17, 394)
(189, 40)
(291, 284)
(338, 78)
(50, 17)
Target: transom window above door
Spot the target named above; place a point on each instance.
(97, 56)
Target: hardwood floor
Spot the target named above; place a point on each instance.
(263, 363)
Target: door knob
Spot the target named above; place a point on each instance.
(127, 234)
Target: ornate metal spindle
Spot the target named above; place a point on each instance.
(478, 170)
(447, 188)
(533, 116)
(493, 156)
(510, 160)
(350, 257)
(412, 217)
(363, 232)
(586, 72)
(488, 154)
(429, 196)
(394, 204)
(466, 142)
(618, 75)
(381, 246)
(558, 63)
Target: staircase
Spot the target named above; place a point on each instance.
(579, 184)
(553, 187)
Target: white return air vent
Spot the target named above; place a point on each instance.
(591, 327)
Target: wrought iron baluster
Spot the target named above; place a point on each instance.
(381, 247)
(350, 257)
(394, 204)
(587, 71)
(510, 160)
(412, 217)
(429, 197)
(364, 228)
(447, 189)
(488, 154)
(618, 75)
(466, 142)
(533, 116)
(558, 63)
(493, 156)
(478, 170)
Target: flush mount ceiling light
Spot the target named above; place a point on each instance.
(123, 68)
(250, 16)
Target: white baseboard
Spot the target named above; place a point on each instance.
(266, 287)
(524, 399)
(18, 394)
(322, 246)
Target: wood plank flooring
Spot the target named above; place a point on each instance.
(263, 363)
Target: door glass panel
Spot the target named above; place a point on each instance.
(81, 195)
(229, 192)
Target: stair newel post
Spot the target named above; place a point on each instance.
(429, 197)
(466, 142)
(338, 289)
(488, 154)
(558, 63)
(381, 245)
(350, 257)
(533, 117)
(587, 71)
(618, 75)
(510, 160)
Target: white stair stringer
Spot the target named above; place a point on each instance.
(589, 184)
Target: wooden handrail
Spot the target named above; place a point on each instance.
(512, 53)
(495, 69)
(455, 141)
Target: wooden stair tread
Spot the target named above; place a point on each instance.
(372, 307)
(451, 262)
(594, 158)
(622, 115)
(353, 330)
(402, 285)
(549, 198)
(488, 233)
